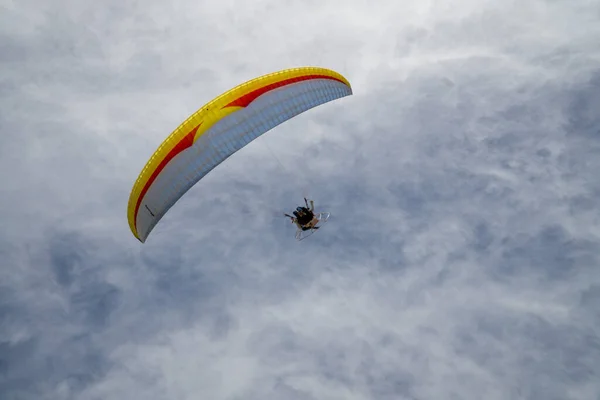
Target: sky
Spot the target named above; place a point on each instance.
(461, 258)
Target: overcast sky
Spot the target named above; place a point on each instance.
(461, 259)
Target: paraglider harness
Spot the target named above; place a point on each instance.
(303, 216)
(307, 220)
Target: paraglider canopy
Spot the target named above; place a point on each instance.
(218, 130)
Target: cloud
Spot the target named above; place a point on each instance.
(461, 176)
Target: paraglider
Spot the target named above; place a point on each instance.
(306, 219)
(218, 130)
